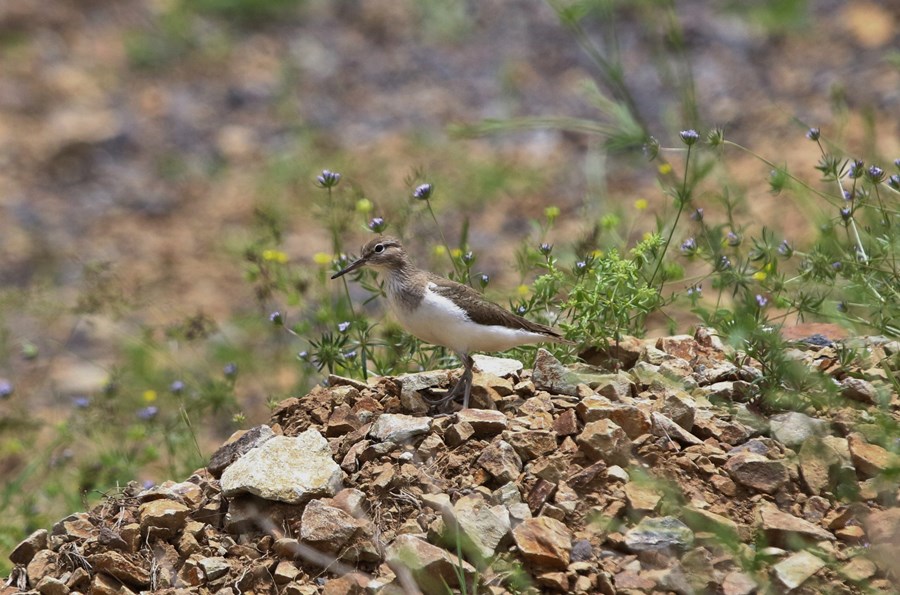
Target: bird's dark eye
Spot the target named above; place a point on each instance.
(379, 248)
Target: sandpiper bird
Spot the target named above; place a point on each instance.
(447, 313)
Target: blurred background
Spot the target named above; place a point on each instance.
(157, 156)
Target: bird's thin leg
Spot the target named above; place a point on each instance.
(463, 385)
(467, 376)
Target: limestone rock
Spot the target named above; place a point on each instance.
(664, 427)
(699, 519)
(883, 529)
(186, 492)
(785, 529)
(616, 387)
(292, 470)
(605, 440)
(793, 428)
(327, 527)
(52, 586)
(501, 461)
(531, 444)
(859, 569)
(818, 464)
(120, 567)
(497, 366)
(757, 472)
(342, 421)
(483, 526)
(566, 424)
(738, 583)
(552, 376)
(793, 571)
(658, 533)
(484, 422)
(399, 428)
(433, 568)
(74, 526)
(236, 447)
(162, 518)
(631, 419)
(859, 390)
(679, 407)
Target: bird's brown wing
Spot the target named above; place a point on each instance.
(486, 312)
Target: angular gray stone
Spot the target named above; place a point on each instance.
(411, 384)
(214, 567)
(617, 387)
(859, 390)
(163, 518)
(666, 428)
(883, 529)
(399, 428)
(186, 492)
(820, 464)
(658, 533)
(793, 572)
(628, 417)
(501, 461)
(794, 428)
(287, 469)
(327, 527)
(786, 530)
(550, 375)
(757, 472)
(433, 568)
(483, 527)
(531, 444)
(679, 407)
(485, 422)
(52, 586)
(237, 447)
(498, 366)
(605, 440)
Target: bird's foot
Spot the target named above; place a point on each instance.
(440, 402)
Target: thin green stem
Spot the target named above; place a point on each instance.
(362, 341)
(443, 239)
(682, 201)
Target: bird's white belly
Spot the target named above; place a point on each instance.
(439, 321)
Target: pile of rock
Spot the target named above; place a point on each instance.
(662, 478)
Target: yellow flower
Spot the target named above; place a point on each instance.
(665, 168)
(551, 213)
(456, 253)
(760, 275)
(364, 205)
(274, 256)
(149, 396)
(322, 259)
(640, 204)
(597, 253)
(440, 250)
(648, 235)
(522, 290)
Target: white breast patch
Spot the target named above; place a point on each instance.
(439, 321)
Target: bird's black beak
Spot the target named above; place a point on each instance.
(351, 267)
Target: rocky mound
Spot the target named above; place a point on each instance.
(662, 478)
